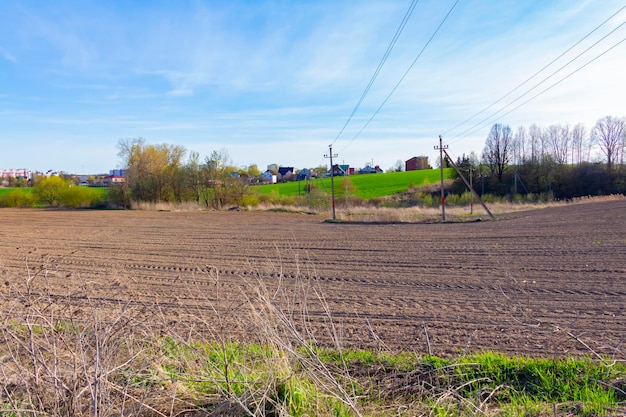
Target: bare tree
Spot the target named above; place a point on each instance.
(519, 145)
(497, 151)
(398, 166)
(608, 133)
(220, 187)
(559, 139)
(535, 135)
(579, 133)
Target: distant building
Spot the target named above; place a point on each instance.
(304, 174)
(417, 163)
(269, 176)
(16, 173)
(285, 173)
(369, 170)
(339, 170)
(113, 180)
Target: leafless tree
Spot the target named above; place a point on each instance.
(535, 134)
(497, 151)
(579, 144)
(559, 139)
(608, 134)
(519, 145)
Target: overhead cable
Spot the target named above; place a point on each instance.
(465, 133)
(545, 89)
(407, 15)
(403, 76)
(536, 73)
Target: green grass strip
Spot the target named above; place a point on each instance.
(366, 186)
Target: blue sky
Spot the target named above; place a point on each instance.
(275, 81)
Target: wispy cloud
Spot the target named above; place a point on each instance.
(275, 81)
(7, 55)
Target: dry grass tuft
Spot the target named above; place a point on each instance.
(73, 356)
(418, 214)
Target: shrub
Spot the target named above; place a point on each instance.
(48, 190)
(250, 200)
(318, 199)
(18, 198)
(75, 197)
(118, 197)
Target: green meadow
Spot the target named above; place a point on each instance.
(365, 186)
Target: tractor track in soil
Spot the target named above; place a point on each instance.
(532, 283)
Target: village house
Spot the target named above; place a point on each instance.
(111, 180)
(370, 170)
(269, 176)
(339, 170)
(285, 174)
(417, 163)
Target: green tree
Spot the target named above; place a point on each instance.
(49, 190)
(76, 196)
(253, 170)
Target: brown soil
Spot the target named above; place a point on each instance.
(548, 282)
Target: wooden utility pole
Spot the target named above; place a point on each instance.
(443, 195)
(470, 187)
(332, 176)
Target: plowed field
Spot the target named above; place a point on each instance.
(548, 282)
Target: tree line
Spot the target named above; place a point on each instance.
(160, 173)
(560, 160)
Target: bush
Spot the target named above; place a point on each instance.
(48, 190)
(18, 198)
(250, 200)
(318, 199)
(118, 197)
(75, 197)
(463, 199)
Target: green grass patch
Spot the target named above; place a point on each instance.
(71, 197)
(365, 186)
(4, 191)
(304, 380)
(516, 386)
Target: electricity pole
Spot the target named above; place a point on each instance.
(458, 171)
(471, 187)
(440, 148)
(332, 176)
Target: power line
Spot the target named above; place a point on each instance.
(538, 72)
(546, 89)
(403, 76)
(407, 15)
(465, 133)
